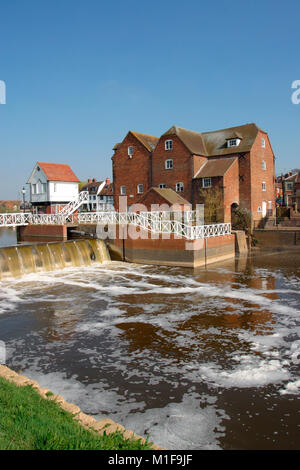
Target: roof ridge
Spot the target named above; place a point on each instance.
(146, 135)
(232, 127)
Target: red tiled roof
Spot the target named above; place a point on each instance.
(58, 172)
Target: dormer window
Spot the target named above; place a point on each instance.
(233, 142)
(263, 143)
(130, 151)
(169, 145)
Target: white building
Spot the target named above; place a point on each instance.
(52, 186)
(100, 196)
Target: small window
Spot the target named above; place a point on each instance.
(44, 187)
(263, 186)
(123, 190)
(140, 188)
(162, 185)
(263, 143)
(169, 164)
(206, 182)
(169, 145)
(33, 187)
(259, 209)
(130, 150)
(179, 187)
(55, 187)
(233, 142)
(263, 165)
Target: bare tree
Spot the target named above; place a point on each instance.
(212, 198)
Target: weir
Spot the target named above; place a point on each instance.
(15, 261)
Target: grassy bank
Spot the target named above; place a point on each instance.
(31, 422)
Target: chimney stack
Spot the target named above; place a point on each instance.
(107, 181)
(94, 180)
(89, 180)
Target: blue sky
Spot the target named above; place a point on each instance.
(80, 74)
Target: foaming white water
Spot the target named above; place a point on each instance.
(182, 425)
(250, 373)
(141, 332)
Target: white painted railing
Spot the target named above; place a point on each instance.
(70, 208)
(175, 223)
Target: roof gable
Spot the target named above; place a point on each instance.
(191, 139)
(58, 172)
(148, 141)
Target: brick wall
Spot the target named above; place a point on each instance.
(130, 172)
(259, 175)
(241, 184)
(182, 166)
(231, 189)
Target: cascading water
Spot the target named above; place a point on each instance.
(16, 261)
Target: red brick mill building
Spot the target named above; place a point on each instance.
(238, 160)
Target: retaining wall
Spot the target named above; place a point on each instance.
(276, 238)
(42, 233)
(172, 251)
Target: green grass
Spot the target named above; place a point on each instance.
(31, 422)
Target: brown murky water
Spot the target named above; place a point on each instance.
(205, 359)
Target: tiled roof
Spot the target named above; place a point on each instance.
(149, 141)
(168, 195)
(192, 140)
(58, 172)
(214, 143)
(215, 167)
(107, 190)
(92, 187)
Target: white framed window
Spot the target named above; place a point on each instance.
(44, 187)
(179, 187)
(206, 182)
(33, 189)
(263, 186)
(263, 143)
(259, 209)
(123, 190)
(263, 165)
(130, 150)
(168, 164)
(233, 142)
(140, 188)
(54, 187)
(162, 185)
(169, 145)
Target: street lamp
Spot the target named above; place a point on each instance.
(23, 192)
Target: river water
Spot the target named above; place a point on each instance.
(195, 359)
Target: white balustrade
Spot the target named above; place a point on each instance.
(176, 223)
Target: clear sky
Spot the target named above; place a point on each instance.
(80, 74)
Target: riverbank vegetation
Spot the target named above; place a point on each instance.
(30, 422)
